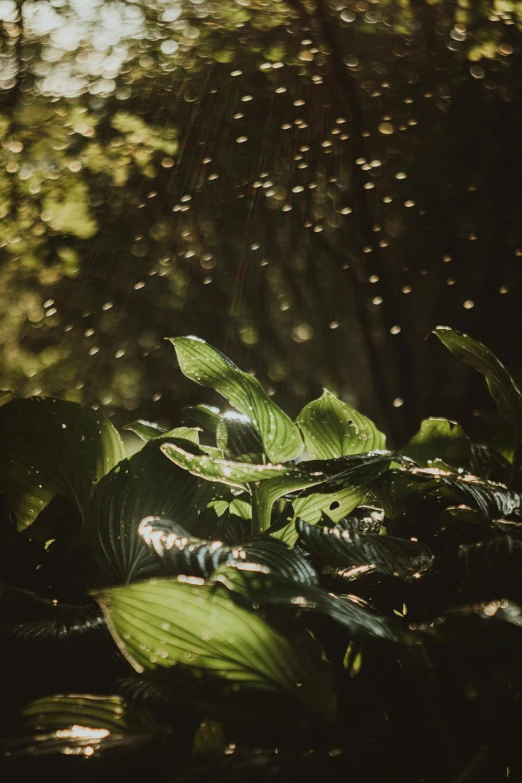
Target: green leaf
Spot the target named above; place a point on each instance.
(342, 548)
(144, 485)
(439, 440)
(201, 363)
(82, 725)
(49, 448)
(344, 481)
(146, 430)
(258, 589)
(189, 625)
(30, 622)
(501, 385)
(238, 439)
(334, 505)
(206, 416)
(235, 474)
(332, 428)
(234, 432)
(395, 488)
(493, 499)
(180, 553)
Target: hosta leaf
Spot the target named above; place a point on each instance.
(239, 507)
(201, 363)
(82, 725)
(439, 440)
(342, 548)
(233, 431)
(238, 438)
(144, 485)
(146, 430)
(180, 553)
(206, 416)
(395, 488)
(494, 500)
(341, 486)
(28, 621)
(332, 428)
(487, 464)
(235, 474)
(501, 385)
(49, 448)
(334, 505)
(258, 589)
(188, 625)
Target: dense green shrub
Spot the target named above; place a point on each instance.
(261, 598)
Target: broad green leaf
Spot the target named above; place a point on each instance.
(187, 624)
(206, 416)
(501, 385)
(201, 363)
(144, 485)
(343, 548)
(190, 434)
(332, 428)
(82, 725)
(241, 508)
(394, 489)
(344, 481)
(146, 430)
(493, 499)
(233, 431)
(180, 553)
(238, 439)
(258, 589)
(49, 448)
(334, 505)
(235, 474)
(30, 622)
(265, 494)
(439, 440)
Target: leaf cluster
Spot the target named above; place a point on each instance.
(254, 582)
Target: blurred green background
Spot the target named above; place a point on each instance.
(310, 185)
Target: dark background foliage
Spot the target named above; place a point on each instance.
(310, 186)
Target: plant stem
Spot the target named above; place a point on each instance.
(260, 523)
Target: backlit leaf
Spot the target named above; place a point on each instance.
(180, 553)
(82, 725)
(235, 474)
(201, 363)
(260, 589)
(187, 624)
(439, 440)
(52, 447)
(144, 485)
(343, 548)
(502, 387)
(331, 429)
